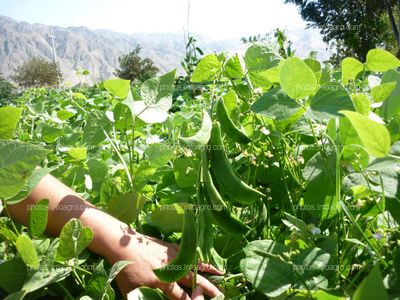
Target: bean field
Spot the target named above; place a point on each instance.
(283, 172)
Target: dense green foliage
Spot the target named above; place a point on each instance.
(353, 27)
(7, 90)
(38, 71)
(134, 68)
(283, 172)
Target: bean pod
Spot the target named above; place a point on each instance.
(228, 126)
(220, 212)
(224, 173)
(183, 262)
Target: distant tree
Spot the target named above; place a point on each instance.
(353, 27)
(38, 71)
(135, 68)
(7, 90)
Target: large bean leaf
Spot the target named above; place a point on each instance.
(374, 136)
(9, 117)
(74, 238)
(17, 162)
(297, 79)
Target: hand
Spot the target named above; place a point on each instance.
(149, 253)
(198, 293)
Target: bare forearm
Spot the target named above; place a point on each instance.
(113, 239)
(65, 204)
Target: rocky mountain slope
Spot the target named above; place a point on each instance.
(98, 50)
(95, 50)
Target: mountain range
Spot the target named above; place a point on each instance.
(98, 50)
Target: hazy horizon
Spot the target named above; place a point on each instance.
(215, 20)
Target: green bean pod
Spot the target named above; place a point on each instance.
(205, 221)
(184, 260)
(228, 126)
(225, 175)
(220, 212)
(202, 136)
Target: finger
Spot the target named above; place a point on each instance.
(198, 293)
(176, 247)
(208, 288)
(209, 268)
(174, 292)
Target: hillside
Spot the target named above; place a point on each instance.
(98, 50)
(95, 50)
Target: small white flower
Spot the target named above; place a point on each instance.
(110, 115)
(265, 131)
(373, 81)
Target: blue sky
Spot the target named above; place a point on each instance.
(218, 19)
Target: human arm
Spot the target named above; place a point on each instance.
(112, 239)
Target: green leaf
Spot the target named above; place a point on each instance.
(98, 170)
(30, 184)
(12, 275)
(379, 60)
(275, 104)
(64, 114)
(320, 172)
(27, 251)
(118, 87)
(394, 129)
(51, 134)
(391, 105)
(389, 177)
(264, 268)
(329, 100)
(393, 206)
(256, 57)
(143, 172)
(202, 136)
(262, 65)
(115, 269)
(9, 117)
(380, 92)
(156, 99)
(361, 103)
(8, 234)
(351, 67)
(206, 69)
(96, 286)
(78, 153)
(374, 136)
(17, 162)
(73, 240)
(233, 67)
(310, 265)
(38, 215)
(185, 171)
(96, 124)
(45, 276)
(296, 224)
(145, 293)
(158, 155)
(314, 65)
(297, 79)
(169, 217)
(371, 288)
(230, 101)
(126, 207)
